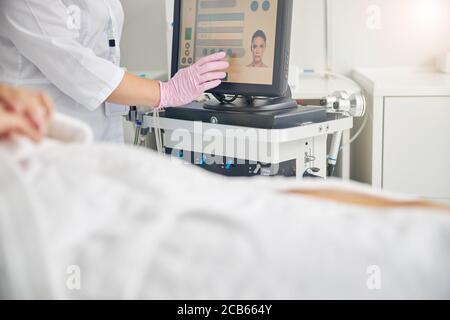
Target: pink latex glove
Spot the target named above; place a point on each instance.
(190, 83)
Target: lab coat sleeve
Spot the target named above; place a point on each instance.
(41, 32)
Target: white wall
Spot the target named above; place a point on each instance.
(408, 36)
(371, 33)
(411, 33)
(143, 45)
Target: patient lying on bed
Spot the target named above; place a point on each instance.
(100, 221)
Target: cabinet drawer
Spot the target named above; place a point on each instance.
(416, 152)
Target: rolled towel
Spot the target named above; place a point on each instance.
(62, 130)
(69, 130)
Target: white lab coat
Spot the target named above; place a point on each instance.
(62, 47)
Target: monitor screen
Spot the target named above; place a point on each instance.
(245, 29)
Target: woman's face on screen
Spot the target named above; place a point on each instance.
(258, 49)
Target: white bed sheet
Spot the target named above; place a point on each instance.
(140, 226)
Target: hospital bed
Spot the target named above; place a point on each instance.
(82, 221)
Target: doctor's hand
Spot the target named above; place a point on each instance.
(24, 112)
(190, 83)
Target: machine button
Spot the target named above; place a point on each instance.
(266, 5)
(254, 6)
(214, 120)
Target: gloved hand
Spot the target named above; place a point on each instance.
(190, 83)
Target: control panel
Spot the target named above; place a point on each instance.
(235, 167)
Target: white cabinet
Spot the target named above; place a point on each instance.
(416, 153)
(406, 145)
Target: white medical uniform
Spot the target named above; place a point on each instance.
(63, 47)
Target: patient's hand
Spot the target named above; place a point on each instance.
(23, 112)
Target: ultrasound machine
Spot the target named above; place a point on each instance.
(263, 129)
(251, 96)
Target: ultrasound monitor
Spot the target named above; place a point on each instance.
(255, 34)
